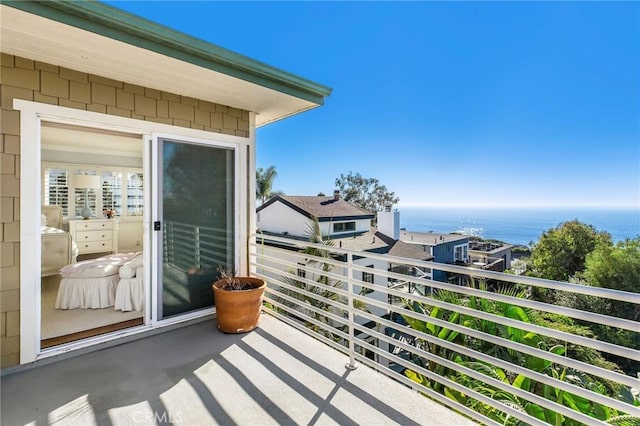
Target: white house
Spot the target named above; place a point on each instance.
(291, 215)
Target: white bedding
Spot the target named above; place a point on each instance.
(130, 291)
(91, 284)
(87, 293)
(130, 294)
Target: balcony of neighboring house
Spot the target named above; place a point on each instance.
(487, 263)
(490, 255)
(424, 352)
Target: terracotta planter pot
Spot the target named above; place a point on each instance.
(238, 311)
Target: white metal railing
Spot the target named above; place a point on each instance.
(188, 246)
(487, 364)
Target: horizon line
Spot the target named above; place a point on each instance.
(520, 206)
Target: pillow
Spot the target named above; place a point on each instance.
(43, 220)
(128, 270)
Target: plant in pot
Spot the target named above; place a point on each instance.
(238, 302)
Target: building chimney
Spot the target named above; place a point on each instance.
(389, 223)
(336, 194)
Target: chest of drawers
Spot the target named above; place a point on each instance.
(95, 235)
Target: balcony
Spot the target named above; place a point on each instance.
(487, 263)
(475, 348)
(327, 310)
(197, 375)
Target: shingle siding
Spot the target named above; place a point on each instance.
(22, 78)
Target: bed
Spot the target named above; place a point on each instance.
(57, 247)
(130, 291)
(92, 284)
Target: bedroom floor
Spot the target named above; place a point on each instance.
(58, 322)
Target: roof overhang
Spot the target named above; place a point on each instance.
(95, 38)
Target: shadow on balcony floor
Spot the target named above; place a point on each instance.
(199, 376)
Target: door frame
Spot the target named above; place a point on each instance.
(31, 116)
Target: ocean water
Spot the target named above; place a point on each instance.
(518, 225)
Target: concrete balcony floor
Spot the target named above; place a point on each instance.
(197, 375)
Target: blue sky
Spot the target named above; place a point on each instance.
(446, 103)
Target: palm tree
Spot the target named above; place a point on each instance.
(264, 183)
(316, 271)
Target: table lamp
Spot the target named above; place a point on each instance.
(86, 182)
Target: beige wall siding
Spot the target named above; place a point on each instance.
(40, 82)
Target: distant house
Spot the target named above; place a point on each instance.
(291, 215)
(490, 255)
(445, 248)
(349, 227)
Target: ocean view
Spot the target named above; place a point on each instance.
(517, 225)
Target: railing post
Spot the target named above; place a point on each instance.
(351, 365)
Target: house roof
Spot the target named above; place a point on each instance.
(96, 38)
(430, 238)
(399, 248)
(488, 247)
(323, 207)
(371, 241)
(367, 241)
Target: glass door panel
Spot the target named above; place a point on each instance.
(197, 222)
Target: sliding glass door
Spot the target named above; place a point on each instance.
(194, 222)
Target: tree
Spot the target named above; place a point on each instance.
(561, 252)
(615, 266)
(366, 193)
(264, 183)
(609, 266)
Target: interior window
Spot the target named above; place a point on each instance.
(135, 194)
(111, 193)
(55, 188)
